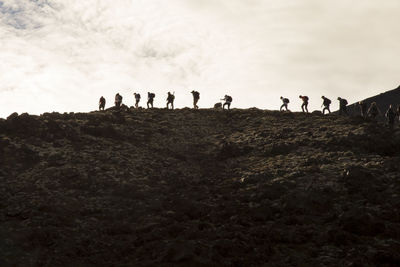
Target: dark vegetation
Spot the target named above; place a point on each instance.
(198, 187)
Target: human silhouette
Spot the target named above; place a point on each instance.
(228, 102)
(390, 115)
(342, 106)
(304, 106)
(150, 99)
(373, 110)
(285, 103)
(118, 100)
(102, 103)
(196, 97)
(326, 103)
(398, 111)
(137, 100)
(170, 100)
(363, 108)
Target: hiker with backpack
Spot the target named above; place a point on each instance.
(102, 103)
(326, 103)
(137, 98)
(390, 115)
(228, 101)
(398, 111)
(118, 100)
(150, 99)
(285, 103)
(342, 106)
(363, 108)
(304, 106)
(196, 97)
(373, 110)
(170, 100)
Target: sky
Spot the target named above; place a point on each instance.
(58, 55)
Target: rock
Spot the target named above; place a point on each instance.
(12, 116)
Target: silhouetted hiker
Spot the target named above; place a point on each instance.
(102, 103)
(137, 98)
(150, 99)
(170, 100)
(196, 97)
(285, 103)
(363, 108)
(390, 115)
(342, 106)
(305, 103)
(373, 110)
(228, 101)
(118, 100)
(398, 111)
(326, 103)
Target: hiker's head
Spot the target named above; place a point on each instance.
(339, 98)
(323, 97)
(281, 97)
(300, 96)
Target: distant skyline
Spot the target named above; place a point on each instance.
(63, 55)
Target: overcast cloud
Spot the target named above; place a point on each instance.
(59, 55)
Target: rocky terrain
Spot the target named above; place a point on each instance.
(198, 188)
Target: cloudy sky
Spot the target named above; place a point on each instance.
(58, 55)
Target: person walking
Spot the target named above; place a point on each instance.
(342, 106)
(150, 99)
(118, 100)
(390, 115)
(196, 97)
(228, 101)
(304, 106)
(363, 108)
(137, 100)
(326, 104)
(102, 103)
(170, 100)
(373, 110)
(285, 103)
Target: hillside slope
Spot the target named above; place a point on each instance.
(382, 100)
(198, 187)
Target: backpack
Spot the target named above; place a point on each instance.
(285, 100)
(196, 94)
(305, 98)
(152, 95)
(345, 102)
(229, 98)
(327, 101)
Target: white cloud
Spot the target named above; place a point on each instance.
(63, 55)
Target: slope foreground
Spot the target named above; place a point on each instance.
(198, 187)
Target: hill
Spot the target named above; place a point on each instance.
(382, 100)
(198, 188)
